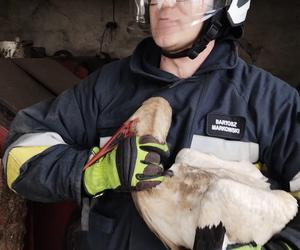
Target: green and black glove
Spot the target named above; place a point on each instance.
(135, 164)
(245, 247)
(271, 245)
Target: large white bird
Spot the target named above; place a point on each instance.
(207, 198)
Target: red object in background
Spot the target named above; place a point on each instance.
(75, 68)
(3, 135)
(47, 224)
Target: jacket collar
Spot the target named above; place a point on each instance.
(146, 59)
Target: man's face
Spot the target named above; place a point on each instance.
(175, 25)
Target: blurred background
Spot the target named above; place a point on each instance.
(86, 28)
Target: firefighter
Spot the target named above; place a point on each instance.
(220, 106)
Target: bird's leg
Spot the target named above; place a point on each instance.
(209, 238)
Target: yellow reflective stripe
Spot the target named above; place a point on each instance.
(296, 194)
(17, 157)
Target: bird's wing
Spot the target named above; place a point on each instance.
(242, 171)
(248, 214)
(158, 213)
(171, 209)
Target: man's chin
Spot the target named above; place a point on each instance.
(170, 44)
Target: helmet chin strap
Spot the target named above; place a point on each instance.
(212, 29)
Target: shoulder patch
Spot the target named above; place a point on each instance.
(225, 126)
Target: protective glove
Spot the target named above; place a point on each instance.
(271, 245)
(245, 247)
(277, 245)
(134, 164)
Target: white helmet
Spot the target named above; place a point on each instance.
(217, 16)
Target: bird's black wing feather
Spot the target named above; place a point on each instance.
(209, 238)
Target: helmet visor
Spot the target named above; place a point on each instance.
(200, 10)
(197, 10)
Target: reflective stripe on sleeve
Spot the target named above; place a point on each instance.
(17, 157)
(46, 139)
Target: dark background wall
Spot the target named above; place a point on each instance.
(76, 25)
(272, 38)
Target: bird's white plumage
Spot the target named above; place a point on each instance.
(211, 191)
(205, 191)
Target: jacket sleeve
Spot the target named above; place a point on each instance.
(278, 130)
(50, 142)
(283, 157)
(281, 148)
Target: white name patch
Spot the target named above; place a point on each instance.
(225, 126)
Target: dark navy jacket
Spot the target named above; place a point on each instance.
(265, 109)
